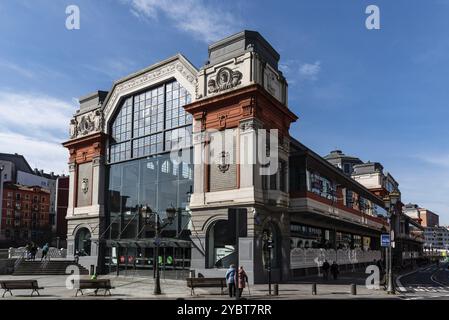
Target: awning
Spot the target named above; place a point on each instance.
(148, 243)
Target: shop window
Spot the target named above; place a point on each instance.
(343, 240)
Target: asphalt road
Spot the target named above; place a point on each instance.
(431, 282)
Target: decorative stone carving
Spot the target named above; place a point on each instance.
(85, 185)
(73, 128)
(222, 119)
(223, 161)
(86, 124)
(225, 79)
(99, 121)
(271, 83)
(250, 124)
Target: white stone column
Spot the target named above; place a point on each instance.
(72, 189)
(197, 198)
(98, 182)
(247, 152)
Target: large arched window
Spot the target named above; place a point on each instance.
(221, 245)
(82, 242)
(151, 122)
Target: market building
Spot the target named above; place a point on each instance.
(214, 144)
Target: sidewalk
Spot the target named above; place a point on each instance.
(142, 288)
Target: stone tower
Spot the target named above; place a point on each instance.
(239, 113)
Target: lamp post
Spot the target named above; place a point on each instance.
(152, 218)
(391, 201)
(268, 243)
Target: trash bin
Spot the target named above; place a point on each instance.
(192, 274)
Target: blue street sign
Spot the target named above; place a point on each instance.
(384, 240)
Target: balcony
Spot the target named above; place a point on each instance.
(313, 203)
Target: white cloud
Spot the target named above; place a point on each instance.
(426, 182)
(35, 125)
(8, 66)
(197, 17)
(310, 71)
(297, 71)
(35, 115)
(441, 160)
(48, 156)
(113, 68)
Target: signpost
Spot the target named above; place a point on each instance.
(384, 240)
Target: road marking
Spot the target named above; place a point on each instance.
(436, 281)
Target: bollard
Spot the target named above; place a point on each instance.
(276, 289)
(92, 269)
(314, 289)
(353, 289)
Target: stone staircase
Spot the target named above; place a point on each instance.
(55, 267)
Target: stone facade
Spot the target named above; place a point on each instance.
(241, 196)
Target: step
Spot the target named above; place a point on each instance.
(46, 268)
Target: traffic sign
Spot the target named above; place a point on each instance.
(384, 240)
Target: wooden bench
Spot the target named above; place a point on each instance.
(9, 285)
(193, 283)
(97, 284)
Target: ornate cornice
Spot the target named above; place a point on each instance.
(149, 78)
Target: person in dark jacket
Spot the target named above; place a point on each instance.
(334, 270)
(326, 266)
(231, 278)
(33, 251)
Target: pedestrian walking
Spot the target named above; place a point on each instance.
(77, 256)
(231, 280)
(28, 251)
(33, 251)
(243, 279)
(326, 266)
(45, 249)
(334, 270)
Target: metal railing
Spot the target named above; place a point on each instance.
(21, 252)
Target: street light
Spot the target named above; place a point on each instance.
(152, 218)
(391, 201)
(268, 247)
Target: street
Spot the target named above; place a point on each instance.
(430, 282)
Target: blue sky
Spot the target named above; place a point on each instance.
(380, 95)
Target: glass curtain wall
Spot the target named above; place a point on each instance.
(146, 128)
